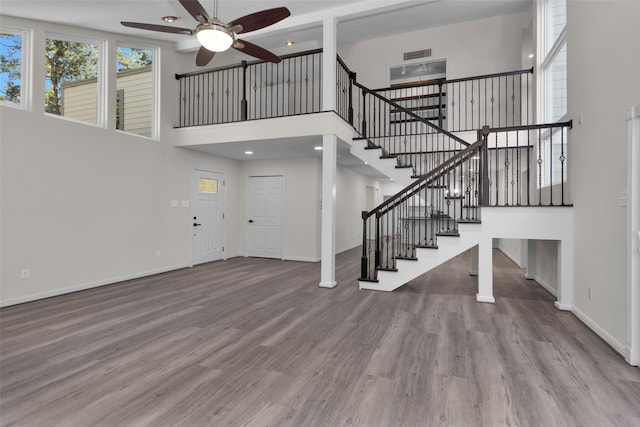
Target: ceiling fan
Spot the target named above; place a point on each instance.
(216, 36)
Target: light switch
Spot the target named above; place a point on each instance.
(185, 203)
(622, 199)
(174, 203)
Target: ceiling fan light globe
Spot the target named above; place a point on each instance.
(215, 38)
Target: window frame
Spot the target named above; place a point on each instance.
(25, 66)
(155, 86)
(101, 76)
(546, 57)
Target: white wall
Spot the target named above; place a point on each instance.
(477, 47)
(351, 200)
(82, 205)
(603, 83)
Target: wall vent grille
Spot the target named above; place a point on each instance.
(417, 54)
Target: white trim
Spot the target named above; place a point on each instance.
(617, 345)
(26, 49)
(633, 237)
(480, 298)
(300, 259)
(155, 87)
(101, 77)
(90, 285)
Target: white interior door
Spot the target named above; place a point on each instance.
(265, 197)
(207, 216)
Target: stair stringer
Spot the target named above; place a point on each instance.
(386, 166)
(553, 223)
(427, 259)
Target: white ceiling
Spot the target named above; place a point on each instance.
(357, 20)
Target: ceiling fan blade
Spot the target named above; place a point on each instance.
(196, 10)
(258, 20)
(204, 56)
(257, 51)
(161, 28)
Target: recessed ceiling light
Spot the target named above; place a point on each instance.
(169, 18)
(531, 55)
(289, 43)
(317, 148)
(248, 153)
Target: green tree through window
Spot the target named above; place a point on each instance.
(10, 67)
(67, 62)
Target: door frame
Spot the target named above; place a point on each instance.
(282, 210)
(192, 196)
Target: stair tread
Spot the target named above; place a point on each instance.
(403, 166)
(448, 233)
(469, 221)
(364, 279)
(387, 269)
(407, 258)
(426, 246)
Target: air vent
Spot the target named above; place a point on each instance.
(417, 54)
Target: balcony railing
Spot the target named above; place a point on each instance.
(252, 90)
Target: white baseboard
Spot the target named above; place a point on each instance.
(481, 298)
(91, 285)
(328, 285)
(617, 345)
(301, 259)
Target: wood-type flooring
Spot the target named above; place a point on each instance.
(256, 342)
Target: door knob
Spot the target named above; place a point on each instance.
(195, 224)
(250, 220)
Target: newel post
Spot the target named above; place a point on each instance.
(243, 103)
(364, 260)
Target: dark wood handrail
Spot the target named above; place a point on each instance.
(408, 191)
(568, 123)
(246, 64)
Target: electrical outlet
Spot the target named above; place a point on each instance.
(589, 293)
(157, 254)
(24, 274)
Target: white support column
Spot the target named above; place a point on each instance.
(328, 240)
(329, 157)
(473, 267)
(485, 276)
(329, 59)
(565, 276)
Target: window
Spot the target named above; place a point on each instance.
(208, 186)
(553, 60)
(552, 81)
(13, 82)
(135, 80)
(72, 79)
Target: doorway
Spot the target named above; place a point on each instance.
(207, 216)
(265, 219)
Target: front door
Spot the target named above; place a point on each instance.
(265, 198)
(207, 216)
